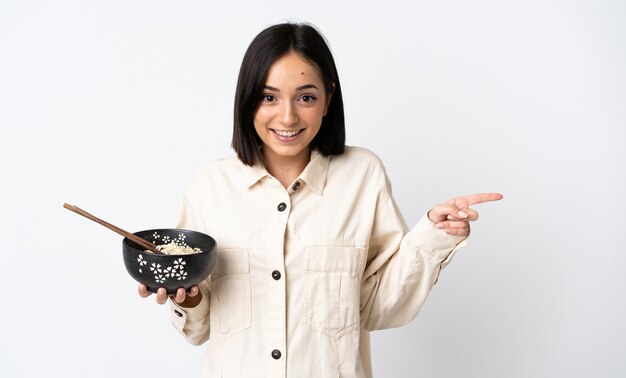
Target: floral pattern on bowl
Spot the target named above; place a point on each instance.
(170, 271)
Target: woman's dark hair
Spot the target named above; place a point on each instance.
(267, 47)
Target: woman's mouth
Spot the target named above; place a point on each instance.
(287, 135)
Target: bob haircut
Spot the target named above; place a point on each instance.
(267, 47)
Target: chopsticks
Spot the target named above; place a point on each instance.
(141, 241)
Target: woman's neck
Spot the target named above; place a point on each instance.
(286, 168)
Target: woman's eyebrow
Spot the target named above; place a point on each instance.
(306, 86)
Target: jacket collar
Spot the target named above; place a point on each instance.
(314, 174)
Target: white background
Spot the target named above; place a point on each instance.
(114, 105)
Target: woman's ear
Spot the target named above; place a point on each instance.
(329, 96)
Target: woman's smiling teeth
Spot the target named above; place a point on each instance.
(286, 133)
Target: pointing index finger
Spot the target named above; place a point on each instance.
(473, 199)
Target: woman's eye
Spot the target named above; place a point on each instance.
(308, 98)
(267, 98)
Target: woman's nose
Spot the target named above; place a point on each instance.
(288, 114)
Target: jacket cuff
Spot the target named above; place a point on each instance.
(426, 237)
(181, 315)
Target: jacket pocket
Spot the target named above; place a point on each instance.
(333, 276)
(230, 293)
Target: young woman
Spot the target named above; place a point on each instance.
(313, 252)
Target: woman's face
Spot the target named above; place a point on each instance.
(291, 109)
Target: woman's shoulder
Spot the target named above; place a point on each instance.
(360, 164)
(227, 168)
(359, 157)
(225, 164)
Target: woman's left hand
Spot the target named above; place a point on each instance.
(454, 216)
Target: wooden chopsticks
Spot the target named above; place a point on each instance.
(141, 241)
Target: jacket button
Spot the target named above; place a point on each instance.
(276, 354)
(178, 313)
(296, 185)
(282, 206)
(276, 275)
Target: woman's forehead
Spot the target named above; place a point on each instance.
(293, 69)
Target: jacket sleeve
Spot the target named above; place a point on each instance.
(402, 266)
(192, 323)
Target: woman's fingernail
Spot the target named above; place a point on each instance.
(440, 225)
(462, 214)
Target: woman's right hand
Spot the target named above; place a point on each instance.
(182, 298)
